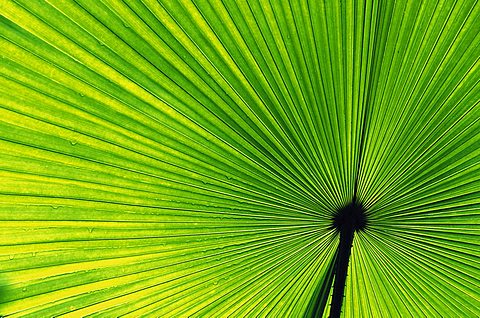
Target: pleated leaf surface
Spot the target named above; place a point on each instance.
(185, 158)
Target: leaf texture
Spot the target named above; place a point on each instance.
(185, 158)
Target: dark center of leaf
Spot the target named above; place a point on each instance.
(352, 217)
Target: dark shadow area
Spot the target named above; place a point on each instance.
(3, 295)
(317, 304)
(346, 222)
(352, 217)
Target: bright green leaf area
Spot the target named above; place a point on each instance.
(185, 158)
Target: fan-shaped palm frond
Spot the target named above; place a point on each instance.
(238, 158)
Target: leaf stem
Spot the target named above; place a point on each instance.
(341, 268)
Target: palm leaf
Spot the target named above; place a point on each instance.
(188, 158)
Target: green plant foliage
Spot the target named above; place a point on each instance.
(186, 158)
